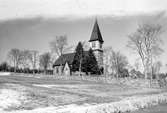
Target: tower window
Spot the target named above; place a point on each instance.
(100, 45)
(93, 44)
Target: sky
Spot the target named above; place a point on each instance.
(33, 24)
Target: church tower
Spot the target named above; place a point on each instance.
(96, 43)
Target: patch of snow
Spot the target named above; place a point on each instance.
(127, 104)
(4, 73)
(79, 86)
(44, 85)
(9, 98)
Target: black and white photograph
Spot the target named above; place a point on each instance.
(83, 56)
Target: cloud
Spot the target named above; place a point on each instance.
(78, 8)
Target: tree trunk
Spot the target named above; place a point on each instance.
(151, 70)
(145, 69)
(15, 69)
(14, 66)
(145, 72)
(80, 66)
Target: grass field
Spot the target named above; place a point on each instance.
(27, 93)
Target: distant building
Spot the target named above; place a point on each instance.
(64, 63)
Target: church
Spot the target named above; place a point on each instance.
(64, 63)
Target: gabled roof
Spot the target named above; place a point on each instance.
(96, 34)
(69, 57)
(64, 58)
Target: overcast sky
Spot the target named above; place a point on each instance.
(32, 24)
(55, 8)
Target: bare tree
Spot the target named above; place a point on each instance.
(15, 56)
(114, 60)
(119, 62)
(146, 42)
(45, 61)
(137, 64)
(59, 45)
(107, 54)
(156, 68)
(33, 58)
(25, 61)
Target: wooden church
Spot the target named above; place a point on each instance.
(64, 63)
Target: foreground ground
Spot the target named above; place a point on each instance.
(28, 93)
(162, 108)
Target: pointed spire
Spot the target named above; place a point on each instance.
(96, 34)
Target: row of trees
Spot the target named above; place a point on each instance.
(23, 58)
(5, 67)
(29, 60)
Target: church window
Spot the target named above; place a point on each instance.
(93, 44)
(57, 70)
(100, 45)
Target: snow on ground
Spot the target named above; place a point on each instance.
(44, 85)
(127, 104)
(14, 98)
(4, 73)
(32, 98)
(10, 98)
(97, 90)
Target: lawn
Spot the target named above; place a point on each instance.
(27, 93)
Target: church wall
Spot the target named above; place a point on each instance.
(55, 70)
(95, 45)
(99, 57)
(66, 70)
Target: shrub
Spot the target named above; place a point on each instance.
(4, 66)
(136, 74)
(124, 73)
(162, 80)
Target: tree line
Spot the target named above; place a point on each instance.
(27, 61)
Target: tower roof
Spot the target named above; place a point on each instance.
(96, 34)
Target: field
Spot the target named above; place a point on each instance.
(29, 93)
(162, 108)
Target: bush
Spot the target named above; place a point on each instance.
(162, 80)
(124, 73)
(136, 74)
(4, 66)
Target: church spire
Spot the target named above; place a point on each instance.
(96, 34)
